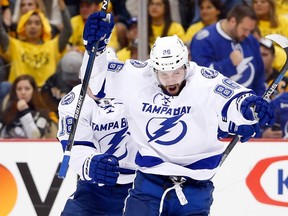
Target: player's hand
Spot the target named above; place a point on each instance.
(101, 169)
(98, 27)
(245, 132)
(256, 108)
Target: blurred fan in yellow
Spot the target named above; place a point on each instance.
(35, 53)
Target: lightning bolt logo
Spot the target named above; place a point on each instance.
(116, 140)
(165, 127)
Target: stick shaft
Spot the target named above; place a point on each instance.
(66, 158)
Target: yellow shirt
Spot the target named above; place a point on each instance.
(174, 29)
(282, 7)
(123, 54)
(76, 38)
(264, 26)
(192, 30)
(40, 61)
(266, 29)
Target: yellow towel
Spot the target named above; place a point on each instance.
(46, 34)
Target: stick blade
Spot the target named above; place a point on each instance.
(279, 39)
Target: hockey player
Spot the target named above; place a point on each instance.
(103, 153)
(175, 109)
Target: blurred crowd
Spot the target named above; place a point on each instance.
(41, 50)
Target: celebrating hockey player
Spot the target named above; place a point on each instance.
(103, 153)
(175, 109)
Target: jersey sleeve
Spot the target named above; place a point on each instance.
(223, 94)
(83, 145)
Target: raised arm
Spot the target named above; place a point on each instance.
(66, 32)
(4, 38)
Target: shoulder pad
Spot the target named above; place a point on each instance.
(115, 66)
(137, 63)
(209, 73)
(68, 99)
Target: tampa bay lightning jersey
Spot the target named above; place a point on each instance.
(177, 134)
(211, 47)
(102, 128)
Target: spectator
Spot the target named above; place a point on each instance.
(210, 13)
(132, 8)
(131, 51)
(280, 105)
(24, 113)
(279, 98)
(22, 7)
(87, 7)
(160, 23)
(268, 55)
(271, 23)
(229, 47)
(62, 82)
(34, 52)
(282, 7)
(121, 16)
(50, 9)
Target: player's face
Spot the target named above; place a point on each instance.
(243, 29)
(24, 90)
(171, 80)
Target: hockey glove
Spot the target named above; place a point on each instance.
(98, 27)
(256, 108)
(102, 169)
(245, 132)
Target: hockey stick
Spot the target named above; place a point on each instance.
(66, 158)
(283, 42)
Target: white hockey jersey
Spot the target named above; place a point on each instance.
(102, 128)
(177, 134)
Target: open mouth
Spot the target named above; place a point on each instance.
(171, 88)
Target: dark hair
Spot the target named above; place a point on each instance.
(167, 20)
(217, 4)
(36, 103)
(239, 12)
